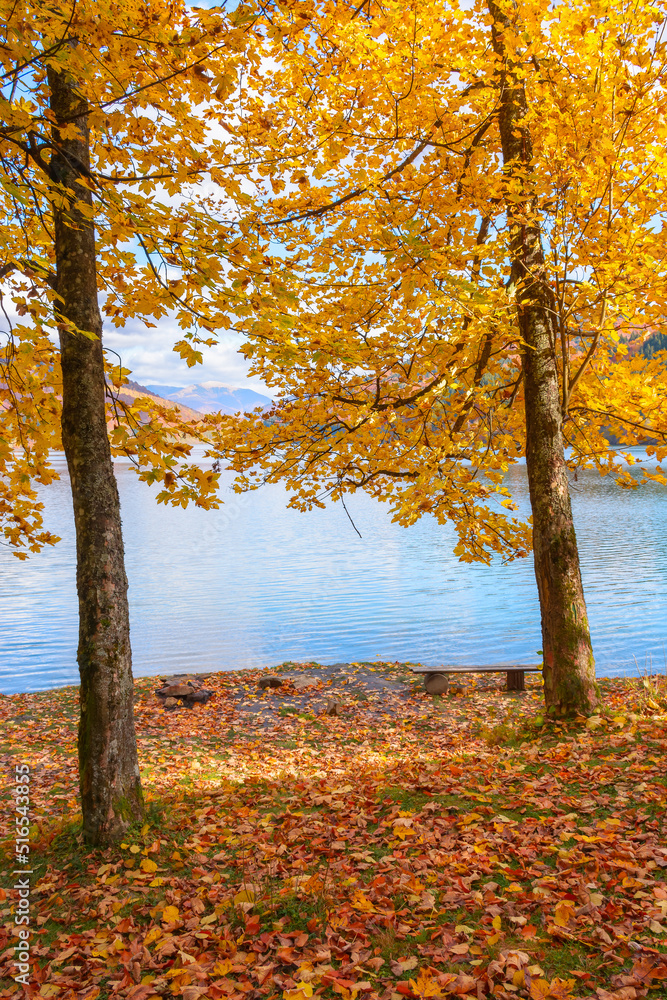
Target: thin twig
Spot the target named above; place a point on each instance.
(342, 500)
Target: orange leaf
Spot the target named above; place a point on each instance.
(539, 989)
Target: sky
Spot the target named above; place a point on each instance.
(149, 354)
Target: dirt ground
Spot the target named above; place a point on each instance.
(380, 690)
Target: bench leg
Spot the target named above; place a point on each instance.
(516, 680)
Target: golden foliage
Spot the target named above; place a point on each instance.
(387, 318)
(150, 75)
(327, 179)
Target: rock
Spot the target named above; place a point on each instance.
(269, 682)
(303, 683)
(334, 707)
(188, 694)
(436, 683)
(200, 697)
(176, 691)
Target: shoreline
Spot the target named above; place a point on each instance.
(639, 674)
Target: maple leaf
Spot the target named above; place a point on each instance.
(425, 985)
(171, 914)
(301, 992)
(360, 902)
(564, 913)
(561, 988)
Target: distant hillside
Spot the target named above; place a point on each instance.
(212, 397)
(656, 342)
(131, 390)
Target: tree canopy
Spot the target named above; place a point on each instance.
(393, 337)
(159, 85)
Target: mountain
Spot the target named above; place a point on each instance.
(212, 397)
(131, 390)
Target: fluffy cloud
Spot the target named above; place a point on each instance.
(149, 354)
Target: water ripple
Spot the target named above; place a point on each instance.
(254, 584)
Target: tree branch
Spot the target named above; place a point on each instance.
(314, 212)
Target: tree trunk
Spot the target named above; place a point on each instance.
(569, 668)
(108, 765)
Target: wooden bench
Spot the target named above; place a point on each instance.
(515, 672)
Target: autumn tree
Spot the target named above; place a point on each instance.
(101, 143)
(569, 668)
(468, 224)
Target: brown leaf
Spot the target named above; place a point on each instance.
(404, 965)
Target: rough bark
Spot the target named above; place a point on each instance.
(569, 667)
(108, 765)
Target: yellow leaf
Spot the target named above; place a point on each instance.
(563, 913)
(148, 866)
(359, 902)
(539, 989)
(245, 896)
(301, 992)
(171, 914)
(424, 985)
(471, 818)
(561, 988)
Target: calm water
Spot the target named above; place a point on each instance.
(253, 584)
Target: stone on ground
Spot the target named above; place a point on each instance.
(176, 690)
(269, 682)
(303, 683)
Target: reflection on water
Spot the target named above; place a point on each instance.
(253, 584)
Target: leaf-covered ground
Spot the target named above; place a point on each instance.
(411, 847)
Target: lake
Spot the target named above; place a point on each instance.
(253, 584)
